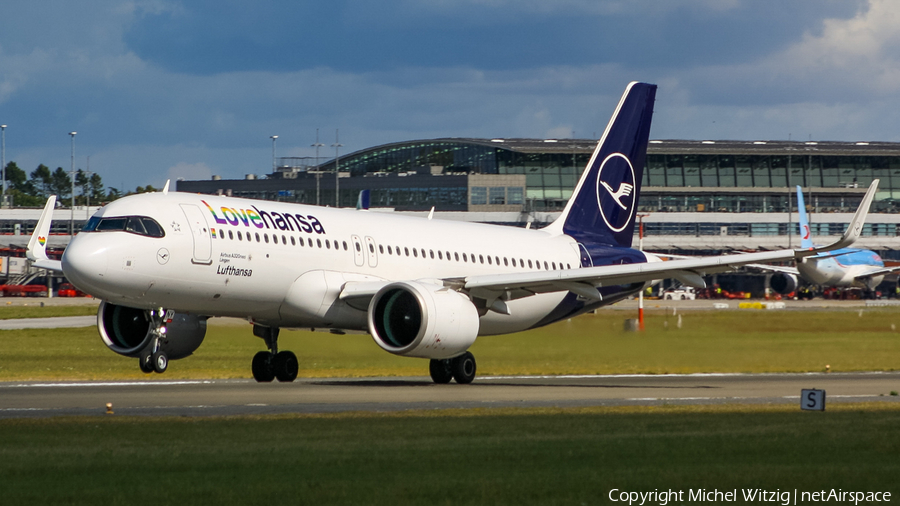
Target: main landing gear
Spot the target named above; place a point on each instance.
(461, 368)
(272, 364)
(153, 358)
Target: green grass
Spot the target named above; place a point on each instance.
(708, 341)
(34, 310)
(484, 457)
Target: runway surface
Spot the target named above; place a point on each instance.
(161, 397)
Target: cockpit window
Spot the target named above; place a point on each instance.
(140, 225)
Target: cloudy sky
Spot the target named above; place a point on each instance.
(168, 88)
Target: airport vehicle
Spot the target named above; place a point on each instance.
(841, 268)
(164, 262)
(680, 293)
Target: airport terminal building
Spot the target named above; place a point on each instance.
(697, 197)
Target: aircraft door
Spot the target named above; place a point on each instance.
(372, 252)
(358, 255)
(200, 232)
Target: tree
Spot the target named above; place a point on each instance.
(61, 184)
(15, 177)
(41, 178)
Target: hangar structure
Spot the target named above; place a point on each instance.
(697, 196)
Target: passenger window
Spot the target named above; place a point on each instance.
(489, 260)
(456, 256)
(390, 251)
(381, 249)
(505, 261)
(301, 240)
(293, 241)
(440, 255)
(464, 258)
(358, 247)
(284, 240)
(239, 236)
(513, 262)
(371, 247)
(423, 253)
(266, 236)
(415, 252)
(481, 258)
(406, 250)
(546, 266)
(327, 244)
(345, 245)
(529, 264)
(431, 253)
(319, 242)
(275, 238)
(554, 265)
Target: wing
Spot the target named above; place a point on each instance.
(878, 272)
(37, 245)
(776, 268)
(585, 281)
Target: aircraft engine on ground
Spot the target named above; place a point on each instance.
(783, 282)
(127, 331)
(415, 319)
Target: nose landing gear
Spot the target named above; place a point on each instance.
(153, 358)
(273, 364)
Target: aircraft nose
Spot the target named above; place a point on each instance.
(84, 263)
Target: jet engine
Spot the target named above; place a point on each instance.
(783, 282)
(415, 319)
(126, 331)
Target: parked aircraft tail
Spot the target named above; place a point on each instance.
(602, 208)
(806, 241)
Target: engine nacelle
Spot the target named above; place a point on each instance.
(126, 331)
(784, 282)
(422, 320)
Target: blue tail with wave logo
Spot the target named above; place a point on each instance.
(603, 207)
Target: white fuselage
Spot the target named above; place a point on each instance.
(288, 272)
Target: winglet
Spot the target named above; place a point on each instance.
(854, 230)
(165, 190)
(37, 245)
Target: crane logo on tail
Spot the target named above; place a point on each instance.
(623, 191)
(616, 206)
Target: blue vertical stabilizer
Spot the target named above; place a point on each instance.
(602, 209)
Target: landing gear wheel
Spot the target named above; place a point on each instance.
(146, 363)
(440, 371)
(463, 368)
(263, 372)
(160, 361)
(286, 366)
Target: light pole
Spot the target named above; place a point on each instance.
(317, 145)
(3, 162)
(337, 183)
(88, 187)
(273, 152)
(72, 219)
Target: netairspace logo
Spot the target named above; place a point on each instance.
(747, 495)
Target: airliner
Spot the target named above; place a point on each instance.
(843, 268)
(164, 263)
